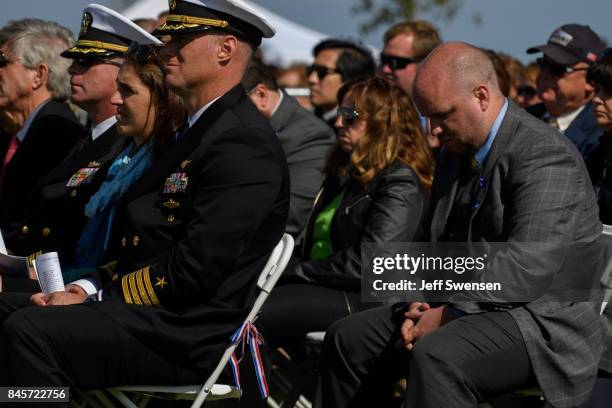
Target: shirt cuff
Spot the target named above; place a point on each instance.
(88, 286)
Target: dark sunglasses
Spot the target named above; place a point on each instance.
(605, 53)
(526, 90)
(4, 60)
(349, 115)
(395, 63)
(321, 70)
(144, 53)
(87, 63)
(557, 70)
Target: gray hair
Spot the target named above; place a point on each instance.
(36, 42)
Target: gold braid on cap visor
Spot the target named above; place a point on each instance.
(190, 22)
(87, 46)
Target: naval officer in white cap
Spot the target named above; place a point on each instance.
(194, 232)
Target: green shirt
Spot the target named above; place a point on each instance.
(321, 234)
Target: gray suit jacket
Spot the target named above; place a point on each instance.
(306, 141)
(537, 190)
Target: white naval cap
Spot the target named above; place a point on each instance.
(106, 33)
(229, 15)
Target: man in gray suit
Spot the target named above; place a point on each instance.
(305, 139)
(503, 176)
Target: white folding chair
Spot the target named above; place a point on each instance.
(140, 395)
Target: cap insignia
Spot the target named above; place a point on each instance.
(86, 23)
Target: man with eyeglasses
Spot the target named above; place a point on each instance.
(406, 45)
(54, 215)
(562, 86)
(34, 86)
(336, 62)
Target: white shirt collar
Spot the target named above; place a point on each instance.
(564, 121)
(193, 119)
(282, 95)
(102, 127)
(327, 116)
(28, 122)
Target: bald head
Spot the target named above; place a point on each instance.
(456, 88)
(459, 65)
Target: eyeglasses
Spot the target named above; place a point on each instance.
(557, 70)
(4, 60)
(605, 53)
(144, 53)
(321, 70)
(395, 63)
(349, 115)
(526, 90)
(87, 63)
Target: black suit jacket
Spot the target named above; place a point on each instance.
(54, 218)
(195, 232)
(537, 190)
(306, 140)
(52, 134)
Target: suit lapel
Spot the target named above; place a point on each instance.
(169, 161)
(504, 133)
(444, 194)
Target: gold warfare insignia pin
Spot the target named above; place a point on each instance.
(172, 4)
(86, 23)
(185, 163)
(161, 282)
(171, 204)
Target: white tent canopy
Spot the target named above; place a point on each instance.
(292, 42)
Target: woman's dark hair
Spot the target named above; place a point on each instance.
(393, 132)
(600, 73)
(354, 61)
(170, 112)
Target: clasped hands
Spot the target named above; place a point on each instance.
(421, 320)
(72, 295)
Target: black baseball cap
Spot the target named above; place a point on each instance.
(570, 44)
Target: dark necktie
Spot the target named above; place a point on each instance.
(466, 200)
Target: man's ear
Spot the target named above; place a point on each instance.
(40, 76)
(483, 94)
(228, 47)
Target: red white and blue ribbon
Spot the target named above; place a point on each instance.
(248, 334)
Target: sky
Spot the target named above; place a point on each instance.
(510, 26)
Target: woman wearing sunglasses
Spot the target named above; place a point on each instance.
(600, 162)
(148, 114)
(375, 190)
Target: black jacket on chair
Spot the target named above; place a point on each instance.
(390, 208)
(55, 217)
(51, 136)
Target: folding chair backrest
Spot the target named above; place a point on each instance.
(267, 279)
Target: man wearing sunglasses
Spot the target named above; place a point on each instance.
(406, 45)
(34, 86)
(336, 62)
(54, 215)
(562, 86)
